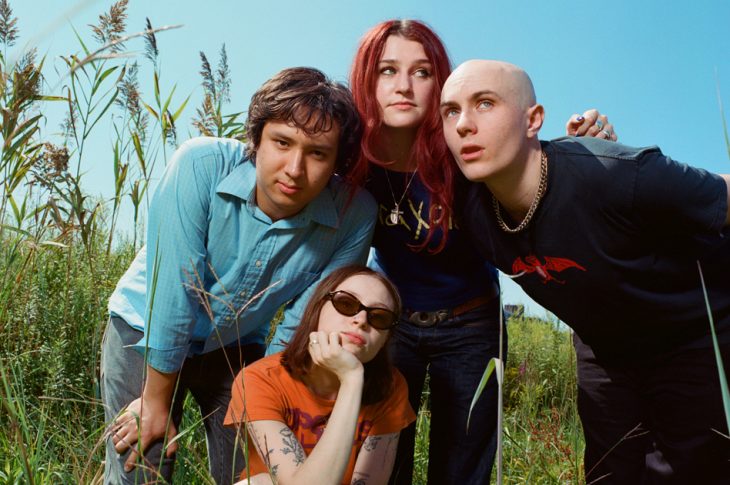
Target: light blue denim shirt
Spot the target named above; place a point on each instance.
(216, 268)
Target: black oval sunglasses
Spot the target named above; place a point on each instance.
(348, 305)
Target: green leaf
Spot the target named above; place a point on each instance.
(179, 111)
(46, 97)
(718, 357)
(138, 150)
(16, 229)
(103, 76)
(27, 124)
(81, 41)
(151, 110)
(169, 98)
(156, 85)
(16, 211)
(483, 383)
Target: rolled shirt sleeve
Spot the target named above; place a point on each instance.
(176, 253)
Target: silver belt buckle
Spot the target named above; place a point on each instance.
(428, 319)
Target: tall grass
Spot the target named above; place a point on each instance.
(543, 438)
(61, 255)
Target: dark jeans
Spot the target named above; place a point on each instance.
(654, 422)
(455, 353)
(207, 377)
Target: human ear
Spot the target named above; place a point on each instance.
(535, 118)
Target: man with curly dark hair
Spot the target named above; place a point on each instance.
(235, 232)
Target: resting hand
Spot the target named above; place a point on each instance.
(144, 421)
(591, 123)
(326, 351)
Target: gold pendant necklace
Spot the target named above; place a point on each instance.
(395, 212)
(535, 202)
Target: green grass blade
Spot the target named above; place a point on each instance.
(718, 357)
(181, 108)
(103, 76)
(480, 388)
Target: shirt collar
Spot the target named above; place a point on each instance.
(241, 183)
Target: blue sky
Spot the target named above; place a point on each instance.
(652, 66)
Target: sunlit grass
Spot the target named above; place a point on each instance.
(60, 258)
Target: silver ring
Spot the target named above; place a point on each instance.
(599, 124)
(607, 133)
(312, 343)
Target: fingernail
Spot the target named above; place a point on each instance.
(579, 118)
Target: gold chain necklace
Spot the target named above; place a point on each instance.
(535, 202)
(395, 212)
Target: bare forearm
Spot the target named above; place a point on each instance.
(159, 388)
(328, 460)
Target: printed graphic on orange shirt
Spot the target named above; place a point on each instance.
(308, 429)
(533, 264)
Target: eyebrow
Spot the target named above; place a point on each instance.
(317, 146)
(476, 95)
(395, 61)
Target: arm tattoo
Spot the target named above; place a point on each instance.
(371, 442)
(291, 445)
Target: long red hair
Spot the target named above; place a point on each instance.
(435, 168)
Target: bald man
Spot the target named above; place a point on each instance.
(608, 238)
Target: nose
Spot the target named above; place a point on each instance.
(294, 167)
(465, 125)
(360, 319)
(403, 82)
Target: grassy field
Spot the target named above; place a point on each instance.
(51, 425)
(61, 255)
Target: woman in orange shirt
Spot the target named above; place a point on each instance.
(330, 408)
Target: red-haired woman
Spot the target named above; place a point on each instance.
(450, 322)
(334, 381)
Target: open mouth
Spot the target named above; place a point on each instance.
(471, 152)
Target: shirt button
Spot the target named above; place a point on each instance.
(258, 263)
(242, 294)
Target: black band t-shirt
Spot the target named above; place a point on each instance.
(614, 245)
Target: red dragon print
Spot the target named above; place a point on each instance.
(532, 264)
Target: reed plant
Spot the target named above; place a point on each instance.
(61, 255)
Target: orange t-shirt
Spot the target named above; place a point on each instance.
(272, 394)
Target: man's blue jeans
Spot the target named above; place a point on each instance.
(207, 377)
(455, 353)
